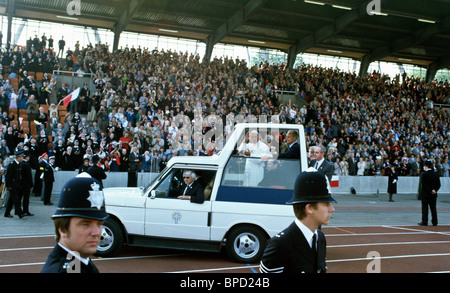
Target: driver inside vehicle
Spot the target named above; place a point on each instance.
(191, 189)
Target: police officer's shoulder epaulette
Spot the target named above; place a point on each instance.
(279, 235)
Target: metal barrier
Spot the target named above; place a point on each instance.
(362, 184)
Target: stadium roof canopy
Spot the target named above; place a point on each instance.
(401, 31)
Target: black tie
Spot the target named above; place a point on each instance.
(314, 249)
(313, 244)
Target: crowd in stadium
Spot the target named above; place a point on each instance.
(129, 119)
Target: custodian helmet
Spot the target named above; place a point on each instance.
(82, 197)
(311, 186)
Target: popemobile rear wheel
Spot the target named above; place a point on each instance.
(246, 244)
(112, 238)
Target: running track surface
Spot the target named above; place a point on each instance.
(385, 249)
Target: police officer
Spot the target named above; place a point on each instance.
(78, 222)
(27, 183)
(301, 247)
(13, 178)
(430, 186)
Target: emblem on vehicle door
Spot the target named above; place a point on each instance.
(176, 216)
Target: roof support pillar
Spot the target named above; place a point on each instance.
(130, 8)
(431, 72)
(209, 49)
(365, 62)
(292, 56)
(10, 11)
(116, 41)
(231, 24)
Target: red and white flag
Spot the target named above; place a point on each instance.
(334, 181)
(71, 97)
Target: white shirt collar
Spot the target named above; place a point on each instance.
(76, 254)
(319, 163)
(306, 231)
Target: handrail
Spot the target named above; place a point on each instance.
(72, 73)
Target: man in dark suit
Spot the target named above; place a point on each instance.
(49, 178)
(293, 151)
(42, 162)
(27, 184)
(134, 159)
(430, 186)
(321, 164)
(191, 189)
(301, 247)
(351, 164)
(13, 182)
(95, 171)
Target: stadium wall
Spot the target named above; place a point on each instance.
(361, 184)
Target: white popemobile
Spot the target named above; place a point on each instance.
(237, 213)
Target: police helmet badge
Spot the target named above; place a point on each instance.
(96, 196)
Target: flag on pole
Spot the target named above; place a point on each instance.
(71, 97)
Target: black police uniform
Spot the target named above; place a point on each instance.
(430, 181)
(289, 250)
(82, 197)
(60, 261)
(27, 184)
(13, 178)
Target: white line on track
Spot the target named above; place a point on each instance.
(389, 257)
(22, 264)
(216, 269)
(94, 259)
(25, 248)
(135, 257)
(386, 243)
(418, 230)
(386, 233)
(26, 236)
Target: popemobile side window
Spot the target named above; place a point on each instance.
(255, 162)
(169, 186)
(173, 184)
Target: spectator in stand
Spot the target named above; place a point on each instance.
(61, 45)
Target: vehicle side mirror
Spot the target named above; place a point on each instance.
(153, 194)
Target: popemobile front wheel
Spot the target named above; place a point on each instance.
(112, 238)
(246, 244)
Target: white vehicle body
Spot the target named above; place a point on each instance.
(151, 217)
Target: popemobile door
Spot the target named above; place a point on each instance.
(169, 217)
